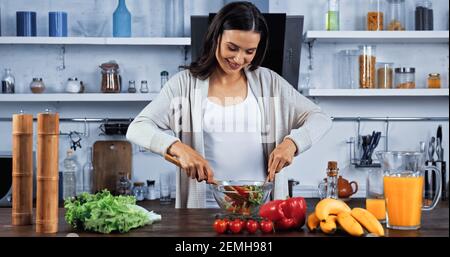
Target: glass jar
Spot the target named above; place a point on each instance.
(375, 15)
(385, 74)
(367, 61)
(124, 185)
(434, 80)
(405, 78)
(37, 86)
(139, 191)
(396, 15)
(131, 86)
(332, 16)
(144, 86)
(424, 15)
(348, 68)
(164, 78)
(111, 80)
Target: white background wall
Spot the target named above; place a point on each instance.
(140, 62)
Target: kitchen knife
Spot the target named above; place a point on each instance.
(439, 148)
(431, 149)
(369, 142)
(374, 145)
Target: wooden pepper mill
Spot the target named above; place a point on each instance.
(22, 169)
(47, 173)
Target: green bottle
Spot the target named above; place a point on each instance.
(332, 16)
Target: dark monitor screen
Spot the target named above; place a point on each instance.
(285, 40)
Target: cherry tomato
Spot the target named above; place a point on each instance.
(220, 226)
(252, 226)
(236, 226)
(266, 226)
(228, 222)
(243, 223)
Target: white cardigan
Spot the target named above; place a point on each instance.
(179, 109)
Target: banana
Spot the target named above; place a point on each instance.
(368, 221)
(313, 222)
(349, 224)
(329, 206)
(329, 225)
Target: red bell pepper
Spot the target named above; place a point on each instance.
(286, 214)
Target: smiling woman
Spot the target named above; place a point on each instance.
(232, 119)
(238, 27)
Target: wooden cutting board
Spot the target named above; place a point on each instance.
(110, 158)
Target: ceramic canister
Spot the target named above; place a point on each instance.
(57, 24)
(26, 24)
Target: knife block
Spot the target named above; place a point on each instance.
(22, 169)
(47, 173)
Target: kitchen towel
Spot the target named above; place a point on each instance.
(26, 24)
(57, 24)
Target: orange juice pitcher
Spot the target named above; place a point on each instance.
(403, 183)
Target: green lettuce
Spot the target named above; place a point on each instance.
(105, 213)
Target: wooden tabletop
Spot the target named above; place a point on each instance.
(198, 223)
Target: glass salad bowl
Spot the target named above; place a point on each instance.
(241, 197)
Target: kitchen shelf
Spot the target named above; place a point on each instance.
(377, 36)
(376, 92)
(84, 97)
(174, 41)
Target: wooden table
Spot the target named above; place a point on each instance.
(198, 223)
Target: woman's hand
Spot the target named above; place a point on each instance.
(192, 162)
(281, 157)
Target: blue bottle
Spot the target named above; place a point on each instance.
(122, 21)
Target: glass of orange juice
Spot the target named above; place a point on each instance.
(375, 202)
(403, 182)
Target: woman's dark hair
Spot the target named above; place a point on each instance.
(233, 16)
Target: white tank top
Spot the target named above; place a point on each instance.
(232, 138)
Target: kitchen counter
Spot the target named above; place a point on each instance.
(198, 223)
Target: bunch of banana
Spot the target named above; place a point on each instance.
(330, 214)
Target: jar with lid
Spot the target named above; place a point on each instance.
(367, 62)
(164, 78)
(396, 15)
(111, 80)
(424, 15)
(332, 180)
(131, 87)
(144, 86)
(73, 85)
(332, 16)
(385, 74)
(124, 185)
(37, 86)
(348, 68)
(434, 80)
(139, 191)
(405, 78)
(375, 15)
